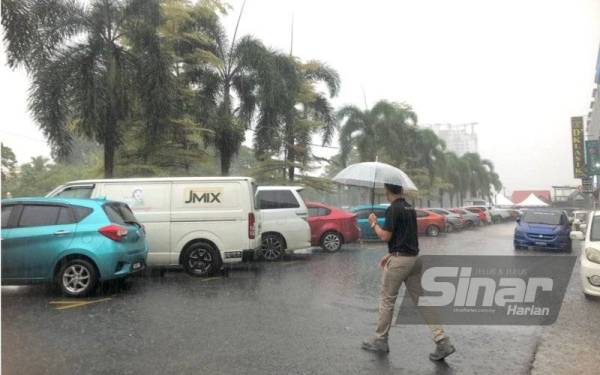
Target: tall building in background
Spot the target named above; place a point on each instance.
(593, 117)
(459, 138)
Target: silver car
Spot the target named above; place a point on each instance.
(454, 221)
(471, 219)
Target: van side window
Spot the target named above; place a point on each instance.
(276, 199)
(76, 192)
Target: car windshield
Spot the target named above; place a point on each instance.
(542, 217)
(595, 229)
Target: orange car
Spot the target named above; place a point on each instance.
(430, 223)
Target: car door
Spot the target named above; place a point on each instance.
(41, 232)
(8, 212)
(422, 221)
(283, 211)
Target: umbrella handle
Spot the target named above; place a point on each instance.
(373, 187)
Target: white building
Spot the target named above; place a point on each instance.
(593, 117)
(459, 138)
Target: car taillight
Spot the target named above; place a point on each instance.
(114, 232)
(251, 226)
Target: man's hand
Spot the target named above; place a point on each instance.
(372, 219)
(383, 261)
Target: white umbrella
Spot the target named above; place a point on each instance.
(374, 175)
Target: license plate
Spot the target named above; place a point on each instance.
(137, 266)
(538, 243)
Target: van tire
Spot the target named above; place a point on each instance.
(201, 259)
(77, 278)
(272, 247)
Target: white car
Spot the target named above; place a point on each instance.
(590, 256)
(284, 219)
(196, 222)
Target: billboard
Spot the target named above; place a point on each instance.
(578, 151)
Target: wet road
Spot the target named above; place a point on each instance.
(305, 315)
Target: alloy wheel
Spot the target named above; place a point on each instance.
(200, 260)
(76, 278)
(272, 247)
(332, 242)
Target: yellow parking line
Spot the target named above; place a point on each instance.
(211, 278)
(69, 304)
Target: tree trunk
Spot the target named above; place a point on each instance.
(109, 157)
(225, 162)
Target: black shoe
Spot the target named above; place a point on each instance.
(376, 345)
(443, 348)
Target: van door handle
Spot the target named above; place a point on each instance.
(61, 232)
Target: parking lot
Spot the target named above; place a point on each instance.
(306, 314)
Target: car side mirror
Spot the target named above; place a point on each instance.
(577, 235)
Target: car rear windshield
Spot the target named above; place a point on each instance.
(276, 199)
(541, 217)
(119, 213)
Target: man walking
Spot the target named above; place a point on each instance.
(400, 232)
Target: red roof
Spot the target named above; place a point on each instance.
(519, 196)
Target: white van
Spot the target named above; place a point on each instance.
(284, 220)
(196, 222)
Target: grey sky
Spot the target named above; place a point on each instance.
(520, 69)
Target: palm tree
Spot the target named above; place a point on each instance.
(226, 75)
(386, 126)
(89, 65)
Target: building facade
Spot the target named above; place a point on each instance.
(459, 138)
(593, 117)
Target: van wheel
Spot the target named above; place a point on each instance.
(432, 231)
(272, 248)
(201, 259)
(77, 278)
(331, 241)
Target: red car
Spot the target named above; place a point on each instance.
(331, 227)
(430, 223)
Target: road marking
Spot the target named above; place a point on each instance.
(211, 278)
(289, 262)
(69, 304)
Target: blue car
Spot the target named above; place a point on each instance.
(546, 229)
(73, 242)
(362, 218)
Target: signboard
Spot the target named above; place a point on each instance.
(587, 185)
(577, 142)
(592, 159)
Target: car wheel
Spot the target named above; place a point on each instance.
(77, 278)
(468, 224)
(331, 241)
(450, 228)
(201, 259)
(432, 231)
(517, 248)
(272, 248)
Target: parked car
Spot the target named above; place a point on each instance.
(590, 257)
(547, 229)
(471, 219)
(454, 221)
(284, 220)
(331, 227)
(484, 216)
(195, 222)
(75, 243)
(428, 223)
(500, 214)
(580, 219)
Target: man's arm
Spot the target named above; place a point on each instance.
(385, 233)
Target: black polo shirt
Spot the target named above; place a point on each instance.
(401, 220)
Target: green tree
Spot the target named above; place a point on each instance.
(91, 65)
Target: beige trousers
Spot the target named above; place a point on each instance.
(396, 270)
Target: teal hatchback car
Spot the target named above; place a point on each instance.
(73, 242)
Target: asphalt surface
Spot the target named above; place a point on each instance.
(305, 315)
